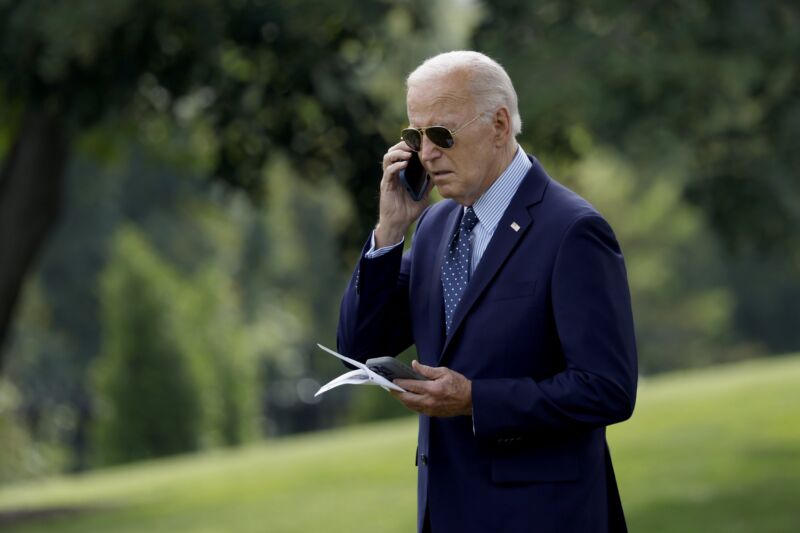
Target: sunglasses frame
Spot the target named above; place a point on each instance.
(452, 133)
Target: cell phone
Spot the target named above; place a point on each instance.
(414, 178)
(392, 369)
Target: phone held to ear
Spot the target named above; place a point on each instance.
(414, 178)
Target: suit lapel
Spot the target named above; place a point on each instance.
(502, 244)
(437, 301)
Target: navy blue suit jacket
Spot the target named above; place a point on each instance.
(545, 332)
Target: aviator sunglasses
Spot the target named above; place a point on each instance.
(438, 135)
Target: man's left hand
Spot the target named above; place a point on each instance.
(448, 393)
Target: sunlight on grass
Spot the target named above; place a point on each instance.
(714, 450)
(709, 450)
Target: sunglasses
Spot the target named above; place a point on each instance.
(438, 135)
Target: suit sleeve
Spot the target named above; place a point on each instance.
(592, 312)
(374, 318)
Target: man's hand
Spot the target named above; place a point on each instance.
(448, 394)
(397, 209)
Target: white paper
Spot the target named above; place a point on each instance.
(360, 376)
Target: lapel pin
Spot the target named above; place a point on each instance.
(515, 226)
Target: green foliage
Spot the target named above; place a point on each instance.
(18, 458)
(228, 85)
(149, 397)
(290, 265)
(693, 457)
(41, 383)
(683, 310)
(718, 79)
(366, 406)
(212, 326)
(177, 373)
(21, 456)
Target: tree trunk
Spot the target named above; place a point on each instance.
(30, 200)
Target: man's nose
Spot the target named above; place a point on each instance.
(428, 151)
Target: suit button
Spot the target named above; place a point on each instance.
(423, 459)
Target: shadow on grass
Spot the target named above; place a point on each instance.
(763, 500)
(19, 517)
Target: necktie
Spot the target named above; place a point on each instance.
(456, 267)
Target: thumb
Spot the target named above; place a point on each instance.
(428, 371)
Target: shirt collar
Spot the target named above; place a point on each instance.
(493, 203)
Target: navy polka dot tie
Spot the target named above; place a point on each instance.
(456, 267)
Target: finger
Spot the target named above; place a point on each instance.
(401, 146)
(414, 385)
(390, 180)
(409, 400)
(390, 174)
(405, 397)
(393, 156)
(397, 165)
(396, 393)
(415, 402)
(429, 371)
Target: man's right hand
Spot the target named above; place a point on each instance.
(397, 209)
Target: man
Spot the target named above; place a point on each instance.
(515, 294)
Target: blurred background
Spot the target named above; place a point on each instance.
(185, 187)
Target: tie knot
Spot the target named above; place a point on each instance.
(469, 220)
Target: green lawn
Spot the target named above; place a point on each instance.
(716, 450)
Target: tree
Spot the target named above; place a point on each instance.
(253, 79)
(16, 454)
(176, 372)
(683, 308)
(649, 78)
(149, 387)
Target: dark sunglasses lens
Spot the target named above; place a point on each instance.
(412, 139)
(440, 136)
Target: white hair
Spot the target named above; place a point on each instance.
(489, 83)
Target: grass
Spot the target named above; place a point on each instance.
(715, 450)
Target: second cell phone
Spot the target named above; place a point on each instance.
(414, 178)
(392, 369)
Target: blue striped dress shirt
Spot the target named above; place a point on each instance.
(494, 202)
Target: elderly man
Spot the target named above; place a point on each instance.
(514, 292)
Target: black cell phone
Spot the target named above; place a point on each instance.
(392, 369)
(414, 178)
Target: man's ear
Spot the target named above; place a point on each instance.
(502, 126)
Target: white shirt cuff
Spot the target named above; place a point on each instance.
(372, 252)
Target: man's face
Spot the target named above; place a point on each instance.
(463, 172)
